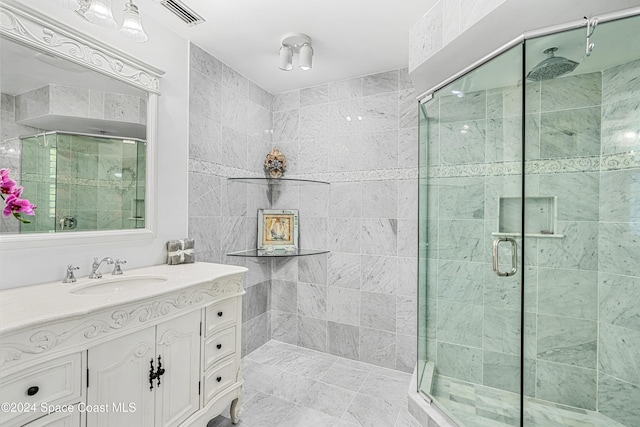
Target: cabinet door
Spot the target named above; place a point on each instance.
(179, 347)
(118, 393)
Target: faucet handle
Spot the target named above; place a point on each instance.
(117, 270)
(70, 278)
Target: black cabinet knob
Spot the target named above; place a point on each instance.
(32, 391)
(219, 314)
(219, 346)
(219, 379)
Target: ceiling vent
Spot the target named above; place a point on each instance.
(182, 11)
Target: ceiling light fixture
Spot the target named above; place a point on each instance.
(296, 43)
(99, 12)
(286, 58)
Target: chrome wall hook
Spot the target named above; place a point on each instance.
(591, 27)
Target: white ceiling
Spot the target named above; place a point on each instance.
(350, 37)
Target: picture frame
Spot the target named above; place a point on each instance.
(277, 229)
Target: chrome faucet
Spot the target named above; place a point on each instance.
(117, 270)
(95, 267)
(70, 278)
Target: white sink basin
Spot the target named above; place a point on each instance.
(118, 284)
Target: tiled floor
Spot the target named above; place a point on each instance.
(473, 405)
(289, 386)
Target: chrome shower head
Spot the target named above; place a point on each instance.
(552, 67)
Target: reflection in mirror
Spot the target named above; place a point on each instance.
(75, 139)
(82, 182)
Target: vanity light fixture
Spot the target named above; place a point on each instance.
(131, 24)
(296, 43)
(99, 12)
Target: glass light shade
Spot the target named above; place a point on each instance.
(100, 13)
(286, 58)
(306, 56)
(69, 4)
(132, 25)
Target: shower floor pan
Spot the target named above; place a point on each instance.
(472, 405)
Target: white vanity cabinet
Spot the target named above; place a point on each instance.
(152, 374)
(162, 355)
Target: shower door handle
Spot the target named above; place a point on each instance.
(514, 256)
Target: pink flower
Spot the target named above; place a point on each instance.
(16, 205)
(7, 185)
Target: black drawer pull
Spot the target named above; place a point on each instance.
(219, 379)
(219, 346)
(219, 314)
(32, 391)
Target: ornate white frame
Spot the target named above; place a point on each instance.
(33, 29)
(262, 225)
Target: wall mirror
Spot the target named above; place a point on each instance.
(77, 131)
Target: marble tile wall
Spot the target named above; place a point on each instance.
(581, 344)
(229, 135)
(78, 102)
(359, 301)
(445, 21)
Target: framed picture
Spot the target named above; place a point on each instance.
(277, 229)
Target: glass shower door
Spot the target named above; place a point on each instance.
(582, 340)
(471, 265)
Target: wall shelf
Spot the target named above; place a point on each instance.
(278, 253)
(278, 181)
(541, 213)
(499, 234)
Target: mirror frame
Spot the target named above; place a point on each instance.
(37, 31)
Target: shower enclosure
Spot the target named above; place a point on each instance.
(82, 182)
(530, 235)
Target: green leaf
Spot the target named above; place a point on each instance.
(19, 218)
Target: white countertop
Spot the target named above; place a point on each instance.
(31, 305)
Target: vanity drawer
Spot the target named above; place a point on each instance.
(55, 382)
(219, 378)
(219, 346)
(58, 419)
(221, 315)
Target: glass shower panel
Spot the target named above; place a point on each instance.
(138, 211)
(582, 329)
(470, 203)
(38, 177)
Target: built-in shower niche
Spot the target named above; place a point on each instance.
(541, 213)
